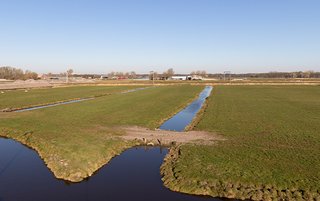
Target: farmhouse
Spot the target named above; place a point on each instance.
(194, 77)
(183, 77)
(186, 77)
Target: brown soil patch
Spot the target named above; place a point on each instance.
(162, 137)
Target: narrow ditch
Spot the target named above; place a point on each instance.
(182, 119)
(41, 106)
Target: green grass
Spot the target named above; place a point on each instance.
(76, 139)
(20, 98)
(272, 146)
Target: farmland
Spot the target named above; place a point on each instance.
(272, 148)
(25, 98)
(267, 146)
(77, 139)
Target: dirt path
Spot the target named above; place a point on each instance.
(162, 137)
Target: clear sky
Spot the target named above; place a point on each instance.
(94, 36)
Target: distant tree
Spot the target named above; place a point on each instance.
(294, 75)
(300, 74)
(11, 73)
(271, 75)
(69, 72)
(203, 73)
(315, 74)
(169, 73)
(119, 74)
(30, 75)
(153, 75)
(132, 75)
(307, 74)
(111, 75)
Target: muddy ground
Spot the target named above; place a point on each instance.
(162, 137)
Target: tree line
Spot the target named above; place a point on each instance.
(130, 75)
(284, 75)
(11, 73)
(152, 74)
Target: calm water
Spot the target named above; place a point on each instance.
(182, 119)
(52, 105)
(134, 175)
(136, 89)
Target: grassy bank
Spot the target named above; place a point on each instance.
(272, 149)
(23, 98)
(76, 139)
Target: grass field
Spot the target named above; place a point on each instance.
(272, 149)
(76, 139)
(20, 98)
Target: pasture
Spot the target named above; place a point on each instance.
(272, 146)
(76, 139)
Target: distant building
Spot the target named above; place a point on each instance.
(104, 77)
(181, 77)
(51, 76)
(186, 77)
(194, 77)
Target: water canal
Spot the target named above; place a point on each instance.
(134, 175)
(52, 105)
(183, 118)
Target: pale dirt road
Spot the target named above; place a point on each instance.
(162, 137)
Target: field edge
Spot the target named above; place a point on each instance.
(173, 180)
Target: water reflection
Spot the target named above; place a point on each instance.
(134, 175)
(52, 105)
(182, 119)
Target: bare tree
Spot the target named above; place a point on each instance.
(169, 73)
(119, 74)
(132, 75)
(70, 72)
(111, 75)
(11, 73)
(30, 75)
(203, 73)
(294, 75)
(153, 75)
(307, 74)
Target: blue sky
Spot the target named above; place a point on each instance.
(143, 35)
